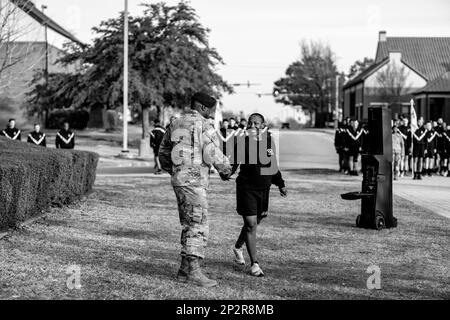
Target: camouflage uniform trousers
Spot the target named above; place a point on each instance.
(193, 211)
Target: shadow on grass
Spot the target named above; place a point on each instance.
(144, 262)
(156, 264)
(293, 220)
(298, 280)
(337, 222)
(335, 280)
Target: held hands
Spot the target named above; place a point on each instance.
(225, 177)
(283, 192)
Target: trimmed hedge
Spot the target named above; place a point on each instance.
(32, 179)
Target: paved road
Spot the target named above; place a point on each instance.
(306, 150)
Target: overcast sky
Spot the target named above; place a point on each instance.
(258, 39)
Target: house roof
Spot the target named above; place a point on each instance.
(429, 56)
(438, 85)
(29, 8)
(360, 77)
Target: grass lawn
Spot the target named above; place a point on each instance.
(125, 238)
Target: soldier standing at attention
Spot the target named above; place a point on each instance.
(354, 145)
(233, 125)
(440, 146)
(65, 138)
(243, 124)
(405, 132)
(446, 153)
(339, 145)
(224, 135)
(188, 150)
(419, 145)
(224, 128)
(37, 137)
(156, 136)
(364, 138)
(11, 132)
(430, 150)
(398, 150)
(344, 142)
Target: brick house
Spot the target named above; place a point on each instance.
(421, 66)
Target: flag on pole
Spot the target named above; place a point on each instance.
(414, 125)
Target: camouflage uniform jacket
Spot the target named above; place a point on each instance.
(189, 148)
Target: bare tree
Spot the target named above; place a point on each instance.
(359, 66)
(13, 27)
(309, 81)
(393, 83)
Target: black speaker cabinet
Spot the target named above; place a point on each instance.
(376, 194)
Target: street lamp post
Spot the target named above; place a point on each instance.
(43, 7)
(125, 150)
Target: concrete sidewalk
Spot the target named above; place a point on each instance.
(430, 193)
(109, 157)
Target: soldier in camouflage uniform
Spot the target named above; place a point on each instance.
(189, 149)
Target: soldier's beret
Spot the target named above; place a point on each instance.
(206, 100)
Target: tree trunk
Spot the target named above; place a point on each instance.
(104, 118)
(45, 118)
(312, 117)
(144, 148)
(160, 115)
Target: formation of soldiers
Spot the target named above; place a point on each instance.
(350, 142)
(65, 138)
(424, 152)
(427, 150)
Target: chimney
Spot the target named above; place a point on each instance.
(382, 36)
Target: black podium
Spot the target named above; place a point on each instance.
(376, 194)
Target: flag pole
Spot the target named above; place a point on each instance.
(125, 81)
(412, 138)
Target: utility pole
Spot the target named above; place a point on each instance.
(43, 7)
(125, 150)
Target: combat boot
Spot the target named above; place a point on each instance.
(195, 275)
(184, 269)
